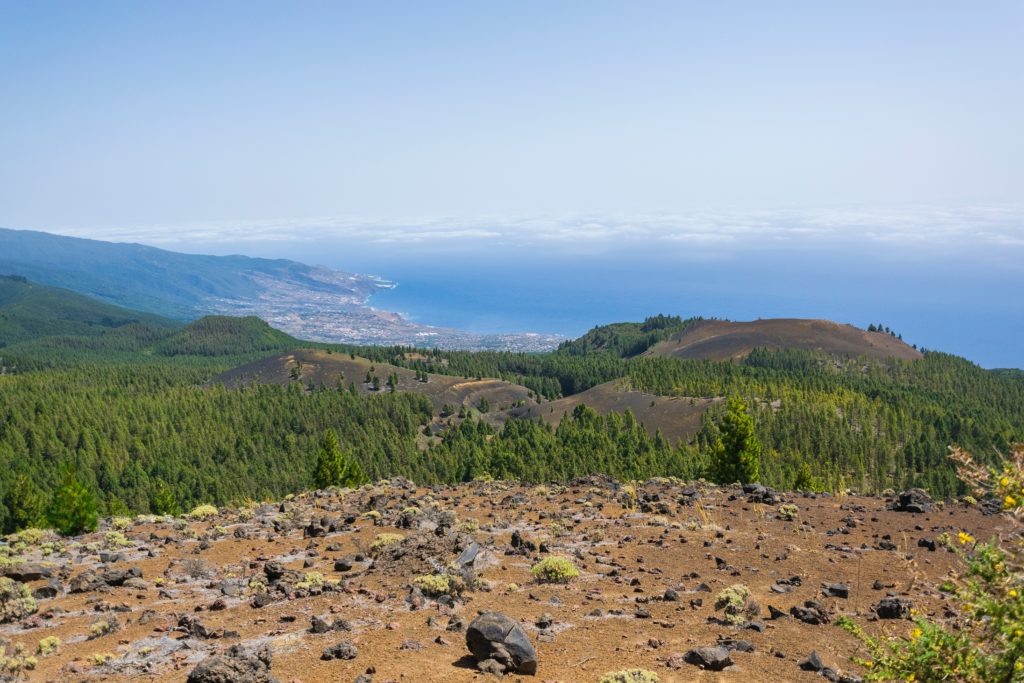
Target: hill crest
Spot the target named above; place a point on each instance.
(724, 340)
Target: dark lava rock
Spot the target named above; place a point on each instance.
(913, 500)
(813, 662)
(343, 650)
(262, 600)
(893, 608)
(494, 636)
(23, 573)
(714, 658)
(836, 590)
(236, 665)
(325, 624)
(811, 613)
(927, 543)
(343, 564)
(758, 493)
(50, 589)
(90, 580)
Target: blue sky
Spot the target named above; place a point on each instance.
(859, 161)
(128, 114)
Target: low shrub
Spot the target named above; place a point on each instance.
(555, 570)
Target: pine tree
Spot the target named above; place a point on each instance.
(335, 468)
(74, 508)
(163, 500)
(328, 464)
(26, 503)
(736, 453)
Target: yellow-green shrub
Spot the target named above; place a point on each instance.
(555, 570)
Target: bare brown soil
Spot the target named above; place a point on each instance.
(318, 368)
(676, 417)
(614, 616)
(721, 340)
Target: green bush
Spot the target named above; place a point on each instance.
(15, 600)
(788, 512)
(735, 602)
(203, 512)
(985, 641)
(555, 570)
(382, 541)
(47, 646)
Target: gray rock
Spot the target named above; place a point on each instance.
(236, 665)
(893, 608)
(813, 662)
(23, 573)
(713, 658)
(835, 590)
(498, 637)
(913, 500)
(343, 650)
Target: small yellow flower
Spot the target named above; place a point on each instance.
(1004, 482)
(912, 677)
(1013, 593)
(915, 634)
(1009, 502)
(965, 538)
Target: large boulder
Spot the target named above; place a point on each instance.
(91, 580)
(498, 642)
(913, 500)
(893, 608)
(714, 658)
(27, 572)
(236, 665)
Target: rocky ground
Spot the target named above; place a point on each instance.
(382, 584)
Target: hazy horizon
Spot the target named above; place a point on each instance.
(862, 162)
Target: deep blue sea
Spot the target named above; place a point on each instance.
(970, 304)
(963, 301)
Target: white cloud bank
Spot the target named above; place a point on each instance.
(945, 226)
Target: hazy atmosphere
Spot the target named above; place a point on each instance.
(581, 341)
(556, 166)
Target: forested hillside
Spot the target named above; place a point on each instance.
(130, 411)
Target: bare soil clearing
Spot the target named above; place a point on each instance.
(651, 564)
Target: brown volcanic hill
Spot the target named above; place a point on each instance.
(721, 340)
(676, 417)
(322, 368)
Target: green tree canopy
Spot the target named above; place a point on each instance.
(736, 453)
(74, 509)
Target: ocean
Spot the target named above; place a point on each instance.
(954, 300)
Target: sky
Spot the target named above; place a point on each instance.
(860, 161)
(117, 115)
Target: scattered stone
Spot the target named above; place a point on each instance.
(713, 658)
(893, 608)
(812, 663)
(343, 650)
(236, 665)
(495, 638)
(913, 500)
(836, 590)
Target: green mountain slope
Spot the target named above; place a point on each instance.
(218, 335)
(30, 311)
(172, 284)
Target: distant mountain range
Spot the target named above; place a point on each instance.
(310, 302)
